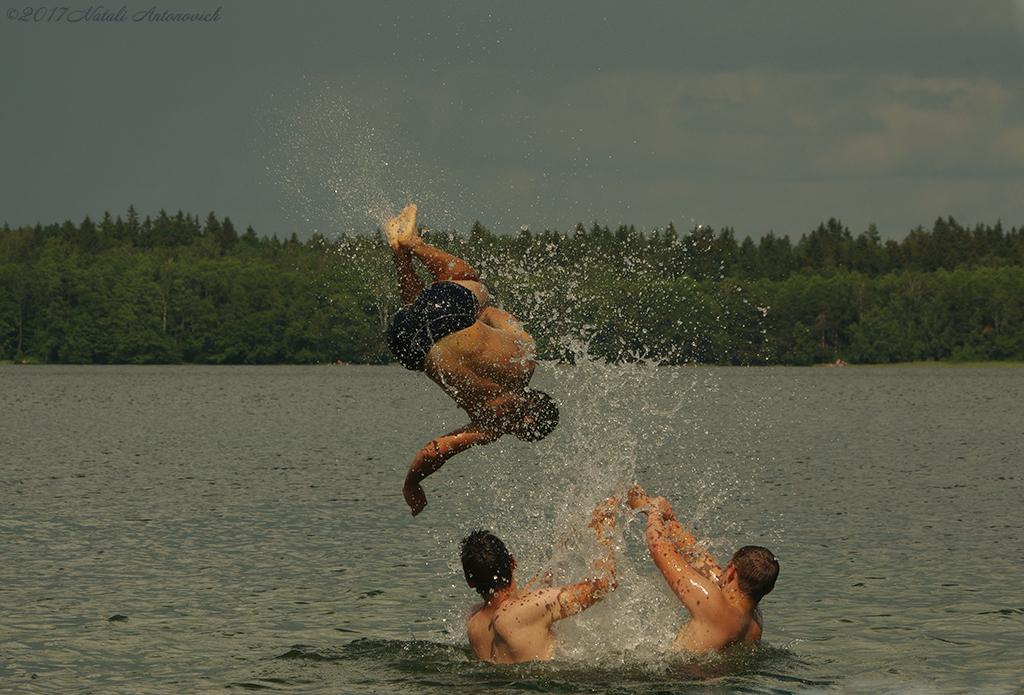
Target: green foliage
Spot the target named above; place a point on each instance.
(171, 289)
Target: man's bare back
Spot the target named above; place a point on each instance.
(483, 368)
(732, 626)
(515, 629)
(514, 625)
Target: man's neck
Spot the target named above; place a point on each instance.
(501, 595)
(737, 598)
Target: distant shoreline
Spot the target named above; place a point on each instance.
(990, 364)
(935, 364)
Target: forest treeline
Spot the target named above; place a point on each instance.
(174, 289)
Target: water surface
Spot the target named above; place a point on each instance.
(194, 529)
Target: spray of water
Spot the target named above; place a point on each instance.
(340, 174)
(633, 420)
(343, 177)
(620, 422)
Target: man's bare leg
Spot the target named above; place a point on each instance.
(403, 236)
(442, 266)
(446, 267)
(409, 282)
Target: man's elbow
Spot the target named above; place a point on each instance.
(430, 452)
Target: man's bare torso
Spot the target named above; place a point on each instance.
(479, 367)
(697, 636)
(518, 629)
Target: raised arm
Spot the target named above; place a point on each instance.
(435, 454)
(690, 549)
(699, 593)
(578, 597)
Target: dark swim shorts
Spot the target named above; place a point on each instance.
(440, 310)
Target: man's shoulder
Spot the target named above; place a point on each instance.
(702, 632)
(478, 620)
(531, 603)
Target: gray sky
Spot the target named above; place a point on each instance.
(315, 116)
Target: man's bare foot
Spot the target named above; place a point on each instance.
(392, 230)
(410, 231)
(402, 230)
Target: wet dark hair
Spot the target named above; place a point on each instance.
(541, 416)
(757, 569)
(486, 562)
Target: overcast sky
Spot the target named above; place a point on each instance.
(323, 117)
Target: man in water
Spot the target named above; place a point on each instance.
(480, 356)
(722, 602)
(514, 625)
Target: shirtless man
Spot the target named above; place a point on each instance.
(480, 356)
(722, 602)
(514, 625)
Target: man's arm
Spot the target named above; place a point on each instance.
(525, 623)
(700, 594)
(435, 454)
(582, 595)
(692, 552)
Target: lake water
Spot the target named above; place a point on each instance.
(211, 529)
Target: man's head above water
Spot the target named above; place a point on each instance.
(540, 418)
(486, 562)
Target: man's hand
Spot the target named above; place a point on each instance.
(432, 456)
(414, 497)
(663, 526)
(662, 507)
(636, 497)
(604, 515)
(603, 522)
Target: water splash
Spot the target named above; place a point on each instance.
(621, 423)
(633, 419)
(340, 173)
(569, 293)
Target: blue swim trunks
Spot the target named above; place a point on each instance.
(440, 310)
